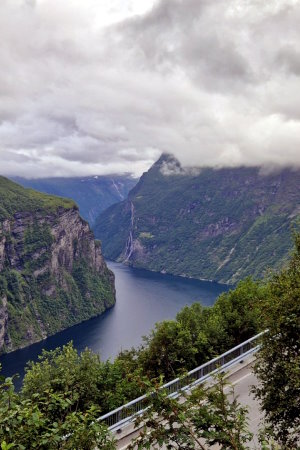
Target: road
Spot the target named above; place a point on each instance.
(242, 380)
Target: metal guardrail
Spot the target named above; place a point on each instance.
(128, 412)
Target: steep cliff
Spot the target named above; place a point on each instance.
(52, 273)
(204, 223)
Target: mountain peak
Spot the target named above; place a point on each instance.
(166, 158)
(210, 224)
(168, 165)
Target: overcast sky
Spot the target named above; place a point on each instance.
(105, 86)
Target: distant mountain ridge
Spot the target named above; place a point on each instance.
(52, 273)
(92, 194)
(213, 224)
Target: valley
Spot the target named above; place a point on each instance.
(143, 299)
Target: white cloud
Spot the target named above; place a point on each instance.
(98, 87)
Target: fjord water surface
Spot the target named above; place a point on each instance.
(143, 298)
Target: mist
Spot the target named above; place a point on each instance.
(106, 87)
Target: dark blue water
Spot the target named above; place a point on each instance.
(143, 298)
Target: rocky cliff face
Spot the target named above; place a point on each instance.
(210, 224)
(52, 273)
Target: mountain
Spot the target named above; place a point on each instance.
(92, 194)
(52, 273)
(213, 224)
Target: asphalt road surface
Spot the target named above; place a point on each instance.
(242, 381)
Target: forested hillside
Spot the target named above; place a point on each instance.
(215, 224)
(52, 273)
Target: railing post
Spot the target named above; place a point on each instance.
(126, 412)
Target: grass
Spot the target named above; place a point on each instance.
(15, 199)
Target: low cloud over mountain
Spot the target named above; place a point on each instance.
(88, 89)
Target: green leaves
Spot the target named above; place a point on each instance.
(278, 363)
(170, 348)
(200, 333)
(15, 198)
(205, 418)
(46, 422)
(5, 446)
(63, 393)
(87, 380)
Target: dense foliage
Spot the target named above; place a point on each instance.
(13, 196)
(221, 224)
(200, 333)
(273, 304)
(174, 346)
(48, 421)
(85, 295)
(89, 380)
(278, 363)
(77, 387)
(208, 417)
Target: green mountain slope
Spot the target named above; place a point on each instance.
(14, 198)
(92, 194)
(212, 224)
(52, 273)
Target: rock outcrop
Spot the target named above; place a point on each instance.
(52, 273)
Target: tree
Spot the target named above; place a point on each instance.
(206, 417)
(238, 312)
(206, 329)
(88, 380)
(278, 362)
(64, 370)
(169, 349)
(48, 422)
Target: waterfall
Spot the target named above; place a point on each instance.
(129, 242)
